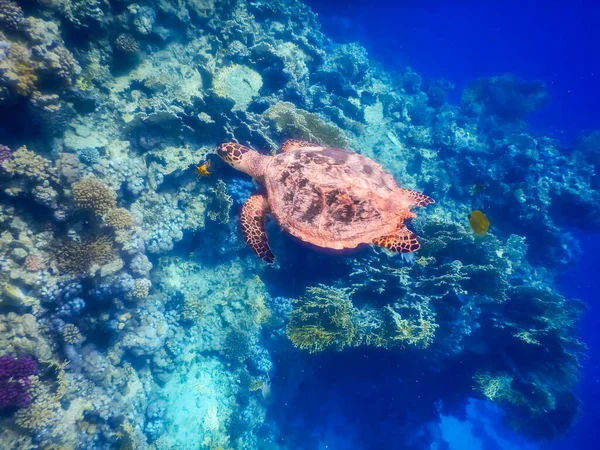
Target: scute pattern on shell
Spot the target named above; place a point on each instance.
(333, 198)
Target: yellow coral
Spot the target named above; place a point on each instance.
(323, 317)
(91, 193)
(28, 164)
(418, 331)
(22, 69)
(498, 388)
(119, 218)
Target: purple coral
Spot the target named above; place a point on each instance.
(5, 154)
(15, 382)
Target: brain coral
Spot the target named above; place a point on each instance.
(91, 193)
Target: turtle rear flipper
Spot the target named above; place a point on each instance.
(404, 241)
(253, 227)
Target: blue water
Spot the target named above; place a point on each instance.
(150, 319)
(460, 41)
(556, 42)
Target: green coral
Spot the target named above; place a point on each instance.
(295, 123)
(323, 318)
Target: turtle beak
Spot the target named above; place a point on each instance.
(222, 151)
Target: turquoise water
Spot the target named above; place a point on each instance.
(393, 248)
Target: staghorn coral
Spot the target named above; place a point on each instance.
(412, 324)
(92, 194)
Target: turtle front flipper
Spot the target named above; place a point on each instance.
(253, 226)
(404, 241)
(416, 198)
(295, 144)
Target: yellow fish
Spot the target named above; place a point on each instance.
(479, 222)
(204, 169)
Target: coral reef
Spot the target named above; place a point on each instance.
(117, 258)
(90, 193)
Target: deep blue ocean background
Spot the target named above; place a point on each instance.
(557, 42)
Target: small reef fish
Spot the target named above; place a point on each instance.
(479, 222)
(203, 169)
(478, 188)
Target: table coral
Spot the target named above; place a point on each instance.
(240, 83)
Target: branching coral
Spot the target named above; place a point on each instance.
(91, 193)
(118, 218)
(80, 257)
(414, 325)
(323, 318)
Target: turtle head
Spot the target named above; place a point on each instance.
(242, 158)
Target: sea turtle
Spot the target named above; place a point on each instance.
(329, 197)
